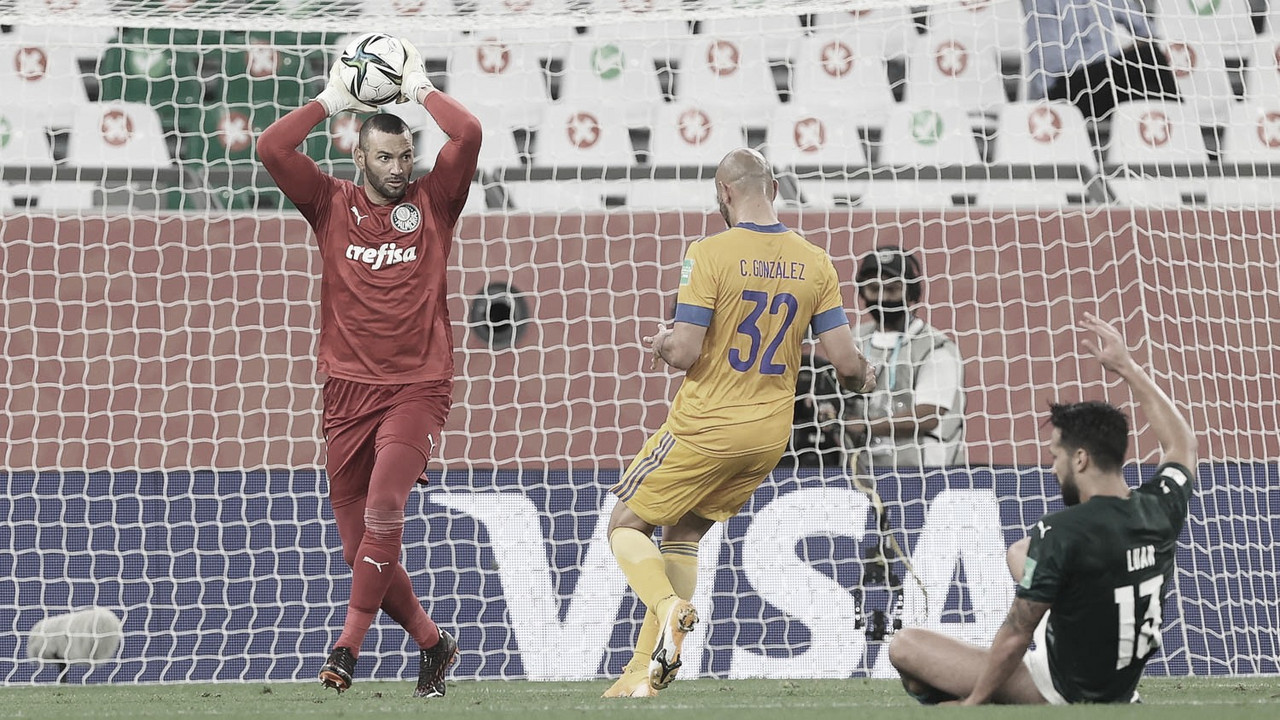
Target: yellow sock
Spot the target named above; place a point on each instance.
(680, 561)
(642, 564)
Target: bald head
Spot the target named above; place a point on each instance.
(745, 188)
(747, 172)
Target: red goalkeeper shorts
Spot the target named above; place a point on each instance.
(360, 419)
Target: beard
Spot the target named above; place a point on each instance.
(381, 186)
(1070, 490)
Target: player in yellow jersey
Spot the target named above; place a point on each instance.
(747, 298)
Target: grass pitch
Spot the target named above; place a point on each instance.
(1166, 699)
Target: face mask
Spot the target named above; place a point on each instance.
(891, 314)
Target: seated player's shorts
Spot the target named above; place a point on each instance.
(360, 419)
(1037, 662)
(670, 478)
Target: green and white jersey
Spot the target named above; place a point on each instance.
(1104, 566)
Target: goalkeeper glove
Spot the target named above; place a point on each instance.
(413, 77)
(336, 97)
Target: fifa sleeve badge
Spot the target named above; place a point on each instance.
(686, 271)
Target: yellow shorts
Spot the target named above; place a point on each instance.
(669, 478)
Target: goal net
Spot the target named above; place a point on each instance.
(160, 445)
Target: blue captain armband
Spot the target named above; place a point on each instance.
(693, 314)
(823, 321)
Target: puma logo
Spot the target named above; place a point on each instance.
(375, 563)
(1044, 529)
(359, 217)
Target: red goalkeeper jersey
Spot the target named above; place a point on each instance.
(383, 318)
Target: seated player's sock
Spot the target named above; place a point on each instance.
(374, 570)
(642, 564)
(401, 604)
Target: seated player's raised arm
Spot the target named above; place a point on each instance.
(1176, 437)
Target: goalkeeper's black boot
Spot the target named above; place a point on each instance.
(338, 669)
(433, 665)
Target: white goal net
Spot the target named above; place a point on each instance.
(160, 449)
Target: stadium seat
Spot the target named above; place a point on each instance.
(690, 134)
(1222, 22)
(6, 197)
(610, 71)
(1040, 133)
(86, 43)
(1043, 133)
(583, 135)
(729, 73)
(917, 135)
(23, 140)
(1262, 75)
(800, 136)
(39, 83)
(1253, 133)
(830, 70)
(780, 33)
(992, 23)
(499, 81)
(1251, 140)
(540, 40)
(884, 32)
(654, 41)
(955, 70)
(1155, 133)
(117, 134)
(803, 139)
(1200, 71)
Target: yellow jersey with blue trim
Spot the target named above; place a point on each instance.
(757, 289)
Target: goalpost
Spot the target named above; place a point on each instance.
(160, 448)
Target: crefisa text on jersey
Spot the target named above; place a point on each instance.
(776, 269)
(381, 256)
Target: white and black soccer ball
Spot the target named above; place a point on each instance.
(371, 66)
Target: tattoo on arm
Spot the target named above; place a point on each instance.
(1024, 615)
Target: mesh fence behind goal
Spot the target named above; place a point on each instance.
(160, 450)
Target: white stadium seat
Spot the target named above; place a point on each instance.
(1262, 76)
(611, 71)
(117, 134)
(651, 40)
(1252, 137)
(729, 73)
(1200, 71)
(812, 136)
(45, 77)
(955, 70)
(884, 32)
(831, 70)
(780, 33)
(692, 134)
(1044, 133)
(1155, 133)
(498, 80)
(583, 135)
(993, 23)
(919, 135)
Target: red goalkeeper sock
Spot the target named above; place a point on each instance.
(376, 562)
(402, 605)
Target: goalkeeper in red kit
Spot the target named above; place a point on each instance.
(386, 344)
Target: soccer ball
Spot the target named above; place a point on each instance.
(370, 68)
